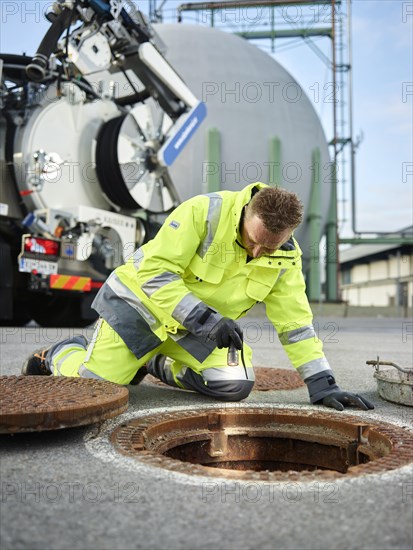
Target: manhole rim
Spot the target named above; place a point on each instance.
(149, 460)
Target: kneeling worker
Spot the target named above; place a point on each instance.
(171, 309)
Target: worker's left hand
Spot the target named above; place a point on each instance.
(339, 399)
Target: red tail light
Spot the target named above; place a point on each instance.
(41, 246)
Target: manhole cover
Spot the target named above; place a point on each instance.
(36, 403)
(269, 445)
(276, 379)
(266, 379)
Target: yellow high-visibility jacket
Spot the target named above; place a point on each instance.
(196, 269)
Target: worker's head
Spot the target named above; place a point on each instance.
(269, 220)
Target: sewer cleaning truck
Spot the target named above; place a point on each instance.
(89, 128)
(112, 123)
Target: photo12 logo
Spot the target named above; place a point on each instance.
(24, 12)
(69, 491)
(252, 492)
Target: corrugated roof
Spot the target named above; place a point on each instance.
(364, 251)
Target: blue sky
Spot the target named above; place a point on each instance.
(382, 68)
(382, 98)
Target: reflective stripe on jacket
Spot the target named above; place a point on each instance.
(195, 264)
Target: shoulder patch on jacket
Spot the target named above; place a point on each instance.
(174, 224)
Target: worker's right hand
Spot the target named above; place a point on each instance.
(225, 332)
(340, 399)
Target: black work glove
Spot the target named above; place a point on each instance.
(225, 332)
(339, 399)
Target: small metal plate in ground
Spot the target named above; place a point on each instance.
(37, 403)
(266, 379)
(252, 443)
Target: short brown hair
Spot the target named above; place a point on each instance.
(277, 208)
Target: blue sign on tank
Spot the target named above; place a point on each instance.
(100, 6)
(184, 134)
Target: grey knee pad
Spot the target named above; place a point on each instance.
(231, 390)
(225, 390)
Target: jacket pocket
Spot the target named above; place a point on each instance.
(204, 271)
(258, 290)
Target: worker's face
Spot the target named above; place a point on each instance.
(258, 241)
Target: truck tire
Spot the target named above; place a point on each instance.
(13, 310)
(59, 311)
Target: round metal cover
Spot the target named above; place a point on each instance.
(276, 379)
(266, 379)
(37, 403)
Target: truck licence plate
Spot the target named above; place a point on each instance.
(27, 265)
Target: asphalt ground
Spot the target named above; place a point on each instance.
(69, 489)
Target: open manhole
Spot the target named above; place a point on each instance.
(36, 403)
(266, 379)
(265, 444)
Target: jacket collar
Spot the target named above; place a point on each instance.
(242, 199)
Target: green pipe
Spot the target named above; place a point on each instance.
(314, 228)
(285, 33)
(212, 167)
(331, 243)
(220, 5)
(272, 30)
(377, 240)
(274, 169)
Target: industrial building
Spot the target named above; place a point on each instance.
(378, 275)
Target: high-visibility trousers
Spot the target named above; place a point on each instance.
(107, 357)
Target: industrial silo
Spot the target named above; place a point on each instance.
(260, 124)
